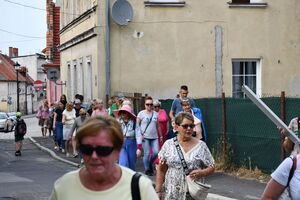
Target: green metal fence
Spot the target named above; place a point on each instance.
(253, 139)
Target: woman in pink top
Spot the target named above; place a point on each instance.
(163, 121)
(43, 116)
(99, 108)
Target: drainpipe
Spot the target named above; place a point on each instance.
(107, 49)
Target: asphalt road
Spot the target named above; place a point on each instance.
(32, 175)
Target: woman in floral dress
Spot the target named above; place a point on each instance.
(170, 180)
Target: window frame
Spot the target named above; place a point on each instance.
(169, 3)
(257, 75)
(250, 4)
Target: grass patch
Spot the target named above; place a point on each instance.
(223, 163)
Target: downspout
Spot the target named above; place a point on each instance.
(107, 49)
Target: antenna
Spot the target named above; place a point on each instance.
(122, 12)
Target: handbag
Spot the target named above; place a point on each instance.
(286, 194)
(196, 189)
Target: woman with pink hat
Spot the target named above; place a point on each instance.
(129, 149)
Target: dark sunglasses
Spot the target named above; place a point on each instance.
(100, 150)
(156, 106)
(185, 126)
(149, 104)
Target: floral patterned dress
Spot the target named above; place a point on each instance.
(199, 157)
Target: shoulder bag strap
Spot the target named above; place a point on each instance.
(148, 124)
(294, 165)
(135, 189)
(184, 165)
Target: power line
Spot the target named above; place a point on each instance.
(21, 35)
(42, 9)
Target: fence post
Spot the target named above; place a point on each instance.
(224, 136)
(282, 105)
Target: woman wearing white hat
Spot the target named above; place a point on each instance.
(129, 149)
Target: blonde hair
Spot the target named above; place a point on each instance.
(100, 123)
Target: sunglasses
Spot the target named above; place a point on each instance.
(156, 106)
(149, 104)
(185, 126)
(100, 150)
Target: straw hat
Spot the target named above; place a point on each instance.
(125, 108)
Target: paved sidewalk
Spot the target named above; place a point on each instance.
(224, 187)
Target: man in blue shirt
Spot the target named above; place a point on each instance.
(176, 107)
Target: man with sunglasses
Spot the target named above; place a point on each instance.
(100, 141)
(150, 133)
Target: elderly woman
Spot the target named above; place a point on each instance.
(78, 123)
(99, 108)
(163, 121)
(171, 179)
(199, 130)
(100, 141)
(129, 149)
(68, 120)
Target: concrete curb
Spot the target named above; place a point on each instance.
(210, 196)
(52, 153)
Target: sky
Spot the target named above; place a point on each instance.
(26, 26)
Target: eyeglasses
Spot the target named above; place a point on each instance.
(149, 104)
(185, 126)
(100, 150)
(156, 106)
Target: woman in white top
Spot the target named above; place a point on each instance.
(68, 120)
(279, 180)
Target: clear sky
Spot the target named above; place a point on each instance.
(21, 20)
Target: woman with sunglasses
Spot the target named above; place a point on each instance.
(129, 149)
(100, 141)
(79, 121)
(199, 130)
(163, 121)
(150, 133)
(171, 178)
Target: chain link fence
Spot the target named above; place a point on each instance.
(251, 139)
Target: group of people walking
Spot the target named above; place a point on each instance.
(104, 140)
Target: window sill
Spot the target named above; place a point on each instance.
(250, 5)
(165, 4)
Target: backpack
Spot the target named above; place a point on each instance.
(21, 128)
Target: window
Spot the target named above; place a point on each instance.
(245, 72)
(88, 79)
(247, 3)
(74, 78)
(69, 83)
(175, 3)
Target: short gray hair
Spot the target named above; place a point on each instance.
(156, 101)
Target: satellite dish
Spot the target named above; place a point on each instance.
(122, 12)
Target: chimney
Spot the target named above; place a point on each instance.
(15, 52)
(10, 52)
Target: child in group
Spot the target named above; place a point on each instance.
(20, 131)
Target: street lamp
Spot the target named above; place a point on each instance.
(17, 68)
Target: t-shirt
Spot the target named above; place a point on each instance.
(150, 132)
(59, 114)
(282, 172)
(70, 117)
(69, 187)
(176, 106)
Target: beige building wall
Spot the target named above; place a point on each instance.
(89, 51)
(165, 47)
